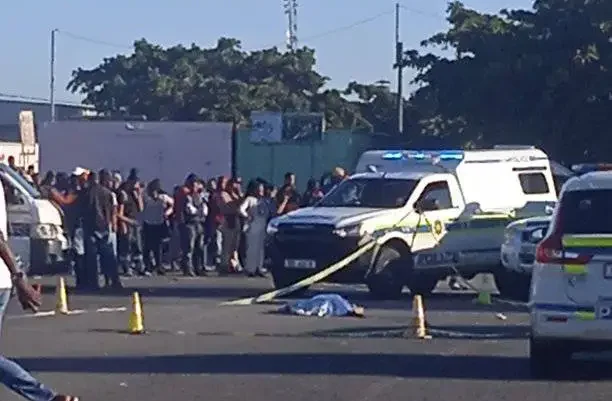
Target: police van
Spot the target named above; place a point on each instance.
(571, 289)
(430, 212)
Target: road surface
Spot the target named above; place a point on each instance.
(197, 350)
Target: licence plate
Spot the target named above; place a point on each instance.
(607, 271)
(300, 264)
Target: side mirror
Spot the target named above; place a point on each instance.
(537, 235)
(426, 205)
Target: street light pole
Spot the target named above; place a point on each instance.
(52, 75)
(399, 58)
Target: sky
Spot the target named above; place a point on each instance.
(354, 39)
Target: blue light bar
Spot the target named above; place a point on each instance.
(392, 156)
(424, 155)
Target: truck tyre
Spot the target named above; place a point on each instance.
(510, 285)
(385, 279)
(547, 359)
(422, 284)
(283, 278)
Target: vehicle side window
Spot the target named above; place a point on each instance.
(438, 192)
(533, 183)
(11, 195)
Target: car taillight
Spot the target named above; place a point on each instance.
(551, 250)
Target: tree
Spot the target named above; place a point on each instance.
(224, 83)
(538, 76)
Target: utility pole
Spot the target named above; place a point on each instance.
(399, 64)
(52, 76)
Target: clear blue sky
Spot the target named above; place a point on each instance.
(346, 49)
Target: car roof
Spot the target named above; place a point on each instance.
(590, 181)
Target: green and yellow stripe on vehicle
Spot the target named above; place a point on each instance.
(585, 244)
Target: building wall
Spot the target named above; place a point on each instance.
(9, 111)
(307, 160)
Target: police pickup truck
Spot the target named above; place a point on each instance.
(430, 212)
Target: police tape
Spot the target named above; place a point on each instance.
(308, 281)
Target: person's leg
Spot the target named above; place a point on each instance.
(108, 261)
(147, 245)
(158, 234)
(136, 250)
(188, 237)
(14, 376)
(123, 250)
(251, 255)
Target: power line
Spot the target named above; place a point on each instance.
(92, 40)
(35, 99)
(422, 13)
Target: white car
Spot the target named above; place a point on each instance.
(518, 256)
(571, 290)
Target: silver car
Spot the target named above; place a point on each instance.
(518, 255)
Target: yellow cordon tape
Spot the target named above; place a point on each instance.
(308, 281)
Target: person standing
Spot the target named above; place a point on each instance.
(157, 209)
(190, 218)
(288, 194)
(230, 228)
(129, 239)
(255, 210)
(98, 218)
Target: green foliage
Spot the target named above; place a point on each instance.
(226, 83)
(538, 76)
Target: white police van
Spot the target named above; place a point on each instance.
(571, 290)
(430, 211)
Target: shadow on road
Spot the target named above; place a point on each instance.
(490, 367)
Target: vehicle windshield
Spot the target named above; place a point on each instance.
(587, 212)
(33, 192)
(370, 193)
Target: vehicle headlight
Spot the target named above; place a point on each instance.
(509, 236)
(349, 231)
(272, 227)
(44, 231)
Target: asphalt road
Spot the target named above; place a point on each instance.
(197, 350)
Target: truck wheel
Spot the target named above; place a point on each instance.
(385, 280)
(282, 278)
(507, 283)
(547, 359)
(422, 284)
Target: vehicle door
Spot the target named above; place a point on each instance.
(436, 209)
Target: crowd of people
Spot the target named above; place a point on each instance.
(128, 227)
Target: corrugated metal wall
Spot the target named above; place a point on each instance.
(306, 160)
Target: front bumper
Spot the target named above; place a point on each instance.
(518, 259)
(320, 245)
(44, 252)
